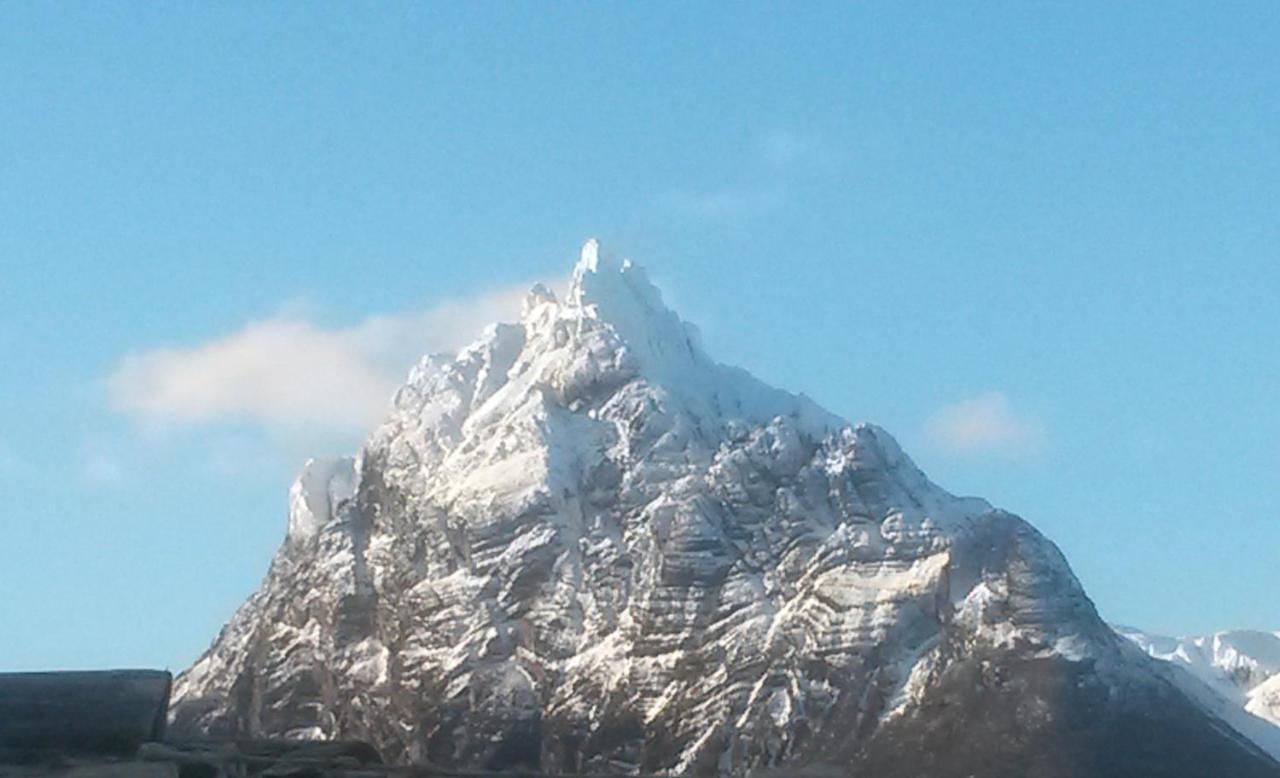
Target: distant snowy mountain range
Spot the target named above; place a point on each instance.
(1242, 666)
(581, 545)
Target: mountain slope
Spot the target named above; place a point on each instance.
(583, 545)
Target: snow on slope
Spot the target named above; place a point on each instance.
(1264, 700)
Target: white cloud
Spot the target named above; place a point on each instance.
(985, 424)
(288, 373)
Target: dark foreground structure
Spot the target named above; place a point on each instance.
(111, 724)
(109, 713)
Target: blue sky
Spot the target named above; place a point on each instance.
(1038, 242)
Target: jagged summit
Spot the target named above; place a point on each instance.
(582, 544)
(619, 291)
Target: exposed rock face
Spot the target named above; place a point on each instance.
(581, 544)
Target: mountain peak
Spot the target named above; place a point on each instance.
(614, 328)
(583, 545)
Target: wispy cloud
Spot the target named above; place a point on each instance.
(985, 424)
(774, 164)
(782, 147)
(287, 373)
(101, 469)
(8, 460)
(724, 203)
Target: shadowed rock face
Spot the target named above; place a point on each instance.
(582, 545)
(1007, 717)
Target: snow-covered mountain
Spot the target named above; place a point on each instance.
(1242, 666)
(583, 545)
